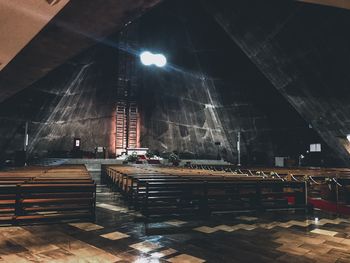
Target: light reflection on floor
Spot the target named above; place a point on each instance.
(118, 235)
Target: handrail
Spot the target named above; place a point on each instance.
(315, 182)
(233, 172)
(334, 180)
(295, 179)
(279, 176)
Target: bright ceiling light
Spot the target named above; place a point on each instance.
(348, 137)
(159, 60)
(147, 58)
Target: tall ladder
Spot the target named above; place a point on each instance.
(127, 114)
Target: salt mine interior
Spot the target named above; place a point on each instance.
(174, 131)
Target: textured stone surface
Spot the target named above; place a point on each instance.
(20, 23)
(80, 25)
(76, 100)
(209, 91)
(304, 51)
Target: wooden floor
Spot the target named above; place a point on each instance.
(119, 235)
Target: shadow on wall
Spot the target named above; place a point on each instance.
(75, 100)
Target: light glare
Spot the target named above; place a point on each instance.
(159, 60)
(148, 59)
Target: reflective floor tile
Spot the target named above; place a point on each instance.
(163, 253)
(205, 229)
(115, 235)
(184, 258)
(145, 246)
(247, 218)
(224, 228)
(175, 222)
(324, 232)
(86, 226)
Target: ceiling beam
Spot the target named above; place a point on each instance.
(345, 4)
(21, 21)
(78, 26)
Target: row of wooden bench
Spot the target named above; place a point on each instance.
(164, 190)
(298, 173)
(46, 194)
(329, 184)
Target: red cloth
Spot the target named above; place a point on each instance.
(329, 206)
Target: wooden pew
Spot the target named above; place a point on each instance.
(168, 190)
(205, 197)
(46, 194)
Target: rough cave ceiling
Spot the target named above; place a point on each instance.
(302, 68)
(79, 25)
(63, 36)
(20, 21)
(66, 28)
(214, 92)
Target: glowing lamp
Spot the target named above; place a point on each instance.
(148, 59)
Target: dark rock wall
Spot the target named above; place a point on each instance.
(76, 100)
(209, 92)
(304, 51)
